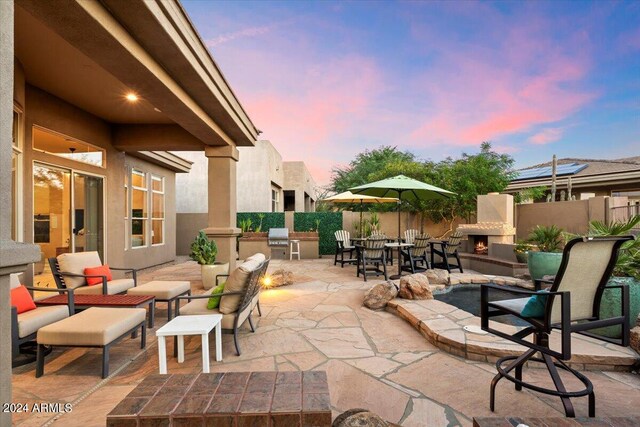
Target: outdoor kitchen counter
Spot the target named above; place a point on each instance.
(250, 243)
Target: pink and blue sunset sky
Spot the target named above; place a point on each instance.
(326, 80)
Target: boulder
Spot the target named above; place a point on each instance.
(437, 276)
(415, 286)
(281, 278)
(377, 297)
(635, 339)
(359, 418)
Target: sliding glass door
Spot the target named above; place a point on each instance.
(68, 211)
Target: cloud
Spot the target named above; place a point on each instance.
(546, 136)
(478, 96)
(247, 32)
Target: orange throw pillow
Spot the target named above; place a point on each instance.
(102, 270)
(21, 299)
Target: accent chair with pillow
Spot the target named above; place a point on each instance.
(241, 295)
(85, 274)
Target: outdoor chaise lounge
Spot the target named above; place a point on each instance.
(572, 304)
(69, 273)
(94, 327)
(240, 297)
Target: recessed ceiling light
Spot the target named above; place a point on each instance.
(131, 97)
(157, 110)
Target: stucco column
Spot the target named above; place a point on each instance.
(13, 256)
(222, 201)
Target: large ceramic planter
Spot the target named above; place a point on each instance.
(209, 273)
(610, 305)
(543, 264)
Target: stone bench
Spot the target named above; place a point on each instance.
(164, 291)
(287, 399)
(95, 327)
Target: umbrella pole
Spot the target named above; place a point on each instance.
(360, 231)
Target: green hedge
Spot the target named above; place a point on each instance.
(330, 222)
(270, 220)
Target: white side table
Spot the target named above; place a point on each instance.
(190, 325)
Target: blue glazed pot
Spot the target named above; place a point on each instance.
(543, 264)
(610, 305)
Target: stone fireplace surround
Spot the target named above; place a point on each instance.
(495, 222)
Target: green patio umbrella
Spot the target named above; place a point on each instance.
(404, 188)
(349, 197)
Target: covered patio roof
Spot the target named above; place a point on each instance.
(84, 53)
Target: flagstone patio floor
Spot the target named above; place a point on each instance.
(373, 360)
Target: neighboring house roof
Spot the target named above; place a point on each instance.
(583, 172)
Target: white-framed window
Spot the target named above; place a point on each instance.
(139, 208)
(16, 175)
(275, 199)
(157, 210)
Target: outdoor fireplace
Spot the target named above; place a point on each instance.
(495, 224)
(480, 244)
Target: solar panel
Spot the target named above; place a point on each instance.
(566, 169)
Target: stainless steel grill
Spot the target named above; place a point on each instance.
(278, 240)
(279, 237)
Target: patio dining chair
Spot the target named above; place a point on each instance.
(410, 235)
(373, 253)
(388, 251)
(449, 249)
(416, 254)
(572, 304)
(343, 245)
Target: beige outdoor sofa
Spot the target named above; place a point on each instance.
(24, 326)
(240, 297)
(68, 273)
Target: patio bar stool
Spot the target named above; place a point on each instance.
(291, 251)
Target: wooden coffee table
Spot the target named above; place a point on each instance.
(82, 302)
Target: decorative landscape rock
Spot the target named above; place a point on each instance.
(377, 297)
(437, 276)
(415, 286)
(281, 278)
(359, 418)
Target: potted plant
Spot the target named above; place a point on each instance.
(546, 261)
(204, 252)
(521, 251)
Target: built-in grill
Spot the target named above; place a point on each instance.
(278, 241)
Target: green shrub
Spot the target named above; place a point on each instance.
(547, 238)
(262, 220)
(327, 223)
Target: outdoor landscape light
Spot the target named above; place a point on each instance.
(266, 281)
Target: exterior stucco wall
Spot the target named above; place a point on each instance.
(259, 169)
(47, 111)
(298, 179)
(193, 187)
